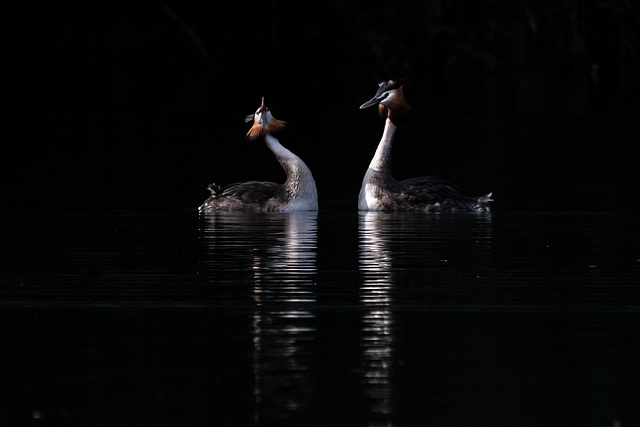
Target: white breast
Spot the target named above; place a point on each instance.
(368, 199)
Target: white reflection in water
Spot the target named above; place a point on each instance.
(375, 262)
(411, 251)
(279, 250)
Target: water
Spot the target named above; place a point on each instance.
(330, 318)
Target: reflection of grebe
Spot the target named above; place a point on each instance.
(381, 192)
(298, 193)
(283, 323)
(377, 320)
(273, 257)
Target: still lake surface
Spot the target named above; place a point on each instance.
(329, 318)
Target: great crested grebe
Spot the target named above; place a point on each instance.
(381, 192)
(298, 193)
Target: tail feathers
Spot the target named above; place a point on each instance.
(214, 188)
(486, 198)
(482, 203)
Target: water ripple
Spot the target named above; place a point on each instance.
(273, 258)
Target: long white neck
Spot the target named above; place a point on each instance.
(381, 161)
(379, 171)
(300, 184)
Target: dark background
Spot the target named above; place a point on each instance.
(118, 104)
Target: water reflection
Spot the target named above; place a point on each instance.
(275, 256)
(377, 318)
(395, 249)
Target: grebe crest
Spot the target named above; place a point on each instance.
(263, 123)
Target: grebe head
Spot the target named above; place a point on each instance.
(263, 122)
(390, 98)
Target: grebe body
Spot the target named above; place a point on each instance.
(298, 193)
(381, 192)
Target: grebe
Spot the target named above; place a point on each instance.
(298, 193)
(381, 192)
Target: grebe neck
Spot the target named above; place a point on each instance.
(381, 162)
(378, 176)
(300, 185)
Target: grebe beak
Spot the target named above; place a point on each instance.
(373, 101)
(262, 107)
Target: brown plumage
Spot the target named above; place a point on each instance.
(261, 127)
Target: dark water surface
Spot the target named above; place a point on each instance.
(336, 318)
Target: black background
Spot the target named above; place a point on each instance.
(119, 104)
